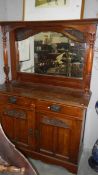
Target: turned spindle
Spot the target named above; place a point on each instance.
(90, 53)
(5, 55)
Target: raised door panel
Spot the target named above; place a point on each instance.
(54, 135)
(76, 140)
(62, 148)
(18, 124)
(31, 128)
(21, 130)
(8, 126)
(46, 142)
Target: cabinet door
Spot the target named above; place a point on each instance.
(57, 136)
(18, 124)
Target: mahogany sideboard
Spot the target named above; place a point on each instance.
(43, 111)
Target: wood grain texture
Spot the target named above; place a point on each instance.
(44, 133)
(17, 163)
(45, 115)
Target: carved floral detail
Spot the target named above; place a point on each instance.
(15, 113)
(91, 39)
(54, 122)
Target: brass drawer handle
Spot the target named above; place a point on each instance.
(12, 99)
(55, 108)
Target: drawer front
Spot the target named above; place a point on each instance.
(60, 108)
(21, 101)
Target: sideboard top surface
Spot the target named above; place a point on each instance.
(67, 96)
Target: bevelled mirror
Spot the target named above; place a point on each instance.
(51, 53)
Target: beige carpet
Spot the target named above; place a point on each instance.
(47, 169)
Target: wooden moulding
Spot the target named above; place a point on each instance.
(87, 27)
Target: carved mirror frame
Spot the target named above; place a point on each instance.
(69, 28)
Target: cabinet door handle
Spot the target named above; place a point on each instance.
(36, 133)
(12, 99)
(30, 131)
(55, 108)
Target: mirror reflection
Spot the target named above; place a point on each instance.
(51, 53)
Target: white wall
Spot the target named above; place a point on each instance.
(11, 10)
(91, 9)
(2, 10)
(14, 10)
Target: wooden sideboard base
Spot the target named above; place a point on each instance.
(43, 112)
(45, 122)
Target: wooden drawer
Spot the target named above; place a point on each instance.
(21, 101)
(60, 108)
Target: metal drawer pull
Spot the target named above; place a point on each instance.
(30, 131)
(54, 108)
(12, 100)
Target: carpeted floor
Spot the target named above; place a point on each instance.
(46, 169)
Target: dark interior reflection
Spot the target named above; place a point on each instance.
(51, 53)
